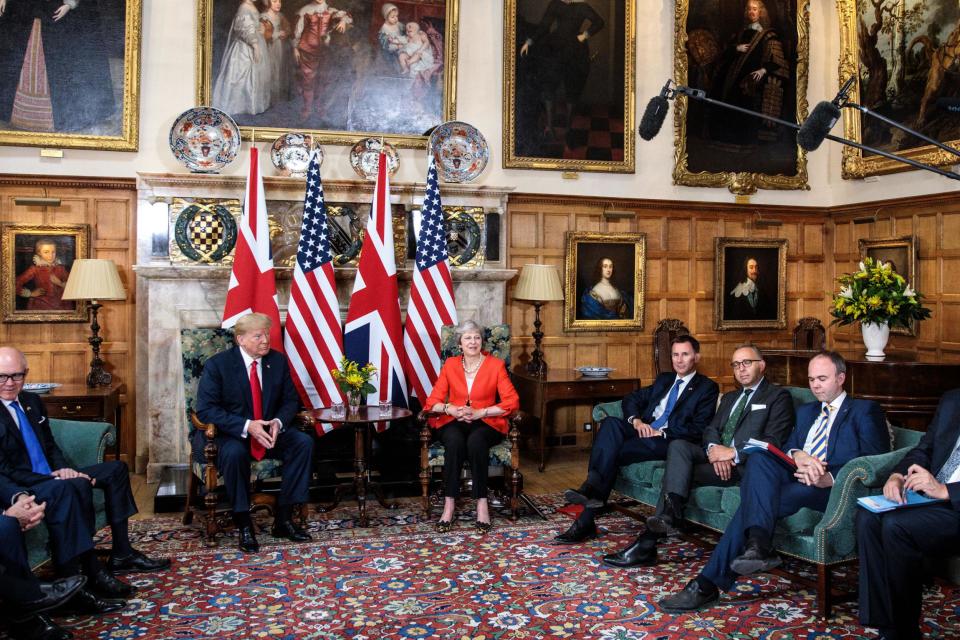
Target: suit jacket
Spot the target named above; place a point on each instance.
(491, 380)
(14, 459)
(224, 398)
(691, 414)
(938, 443)
(859, 429)
(768, 417)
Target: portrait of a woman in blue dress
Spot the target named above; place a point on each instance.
(604, 300)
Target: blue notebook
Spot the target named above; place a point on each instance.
(879, 504)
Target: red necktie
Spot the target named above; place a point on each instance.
(256, 449)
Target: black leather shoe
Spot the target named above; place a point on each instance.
(87, 602)
(54, 593)
(38, 627)
(755, 559)
(641, 553)
(290, 530)
(104, 583)
(248, 541)
(585, 496)
(692, 598)
(576, 533)
(663, 523)
(137, 562)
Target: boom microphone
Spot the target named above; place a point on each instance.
(818, 124)
(655, 114)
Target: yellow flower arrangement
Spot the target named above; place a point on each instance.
(876, 294)
(353, 379)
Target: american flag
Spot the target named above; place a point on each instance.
(373, 332)
(431, 295)
(314, 340)
(252, 285)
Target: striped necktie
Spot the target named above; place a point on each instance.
(818, 448)
(950, 466)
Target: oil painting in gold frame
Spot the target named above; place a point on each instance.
(750, 284)
(604, 281)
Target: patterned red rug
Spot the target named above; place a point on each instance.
(401, 579)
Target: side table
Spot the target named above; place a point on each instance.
(80, 402)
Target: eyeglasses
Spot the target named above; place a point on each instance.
(16, 377)
(742, 364)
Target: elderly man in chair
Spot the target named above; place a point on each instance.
(247, 392)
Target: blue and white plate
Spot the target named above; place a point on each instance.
(40, 387)
(204, 139)
(595, 372)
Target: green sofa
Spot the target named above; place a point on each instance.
(825, 540)
(84, 444)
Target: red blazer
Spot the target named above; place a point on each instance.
(492, 380)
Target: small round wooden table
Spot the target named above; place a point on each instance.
(362, 420)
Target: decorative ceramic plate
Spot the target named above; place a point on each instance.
(40, 387)
(460, 150)
(204, 139)
(365, 154)
(594, 372)
(290, 154)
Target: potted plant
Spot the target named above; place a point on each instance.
(354, 381)
(877, 297)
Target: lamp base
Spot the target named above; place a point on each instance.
(97, 376)
(537, 368)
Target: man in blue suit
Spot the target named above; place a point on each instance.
(893, 545)
(677, 405)
(829, 433)
(229, 384)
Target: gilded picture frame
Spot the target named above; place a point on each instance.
(901, 252)
(568, 85)
(750, 284)
(355, 89)
(717, 50)
(87, 93)
(36, 263)
(604, 281)
(914, 70)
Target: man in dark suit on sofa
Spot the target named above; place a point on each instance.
(247, 392)
(31, 458)
(758, 409)
(677, 406)
(829, 433)
(892, 545)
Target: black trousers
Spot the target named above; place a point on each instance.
(688, 465)
(113, 478)
(892, 547)
(69, 515)
(467, 441)
(617, 444)
(17, 582)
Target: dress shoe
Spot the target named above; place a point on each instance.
(107, 585)
(290, 530)
(483, 528)
(38, 627)
(662, 524)
(585, 495)
(755, 559)
(577, 532)
(54, 593)
(444, 526)
(692, 598)
(86, 602)
(137, 562)
(248, 541)
(641, 553)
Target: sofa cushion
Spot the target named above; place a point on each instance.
(710, 498)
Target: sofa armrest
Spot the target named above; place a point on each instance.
(605, 409)
(835, 535)
(83, 443)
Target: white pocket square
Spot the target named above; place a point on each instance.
(757, 407)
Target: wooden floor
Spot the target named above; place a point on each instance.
(565, 469)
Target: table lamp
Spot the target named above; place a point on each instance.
(539, 283)
(94, 280)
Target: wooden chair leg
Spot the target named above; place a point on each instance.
(210, 499)
(425, 470)
(191, 501)
(824, 591)
(514, 436)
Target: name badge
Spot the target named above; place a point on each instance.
(757, 407)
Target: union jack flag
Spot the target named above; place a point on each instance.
(252, 285)
(314, 339)
(373, 332)
(431, 302)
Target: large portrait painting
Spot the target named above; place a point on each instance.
(604, 280)
(901, 254)
(70, 74)
(568, 96)
(752, 54)
(36, 264)
(902, 54)
(340, 69)
(750, 285)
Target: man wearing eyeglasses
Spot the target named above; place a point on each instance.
(31, 458)
(758, 409)
(829, 433)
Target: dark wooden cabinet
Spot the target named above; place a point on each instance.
(80, 402)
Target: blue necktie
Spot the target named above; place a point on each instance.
(671, 401)
(37, 460)
(818, 448)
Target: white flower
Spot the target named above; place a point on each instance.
(909, 292)
(862, 266)
(846, 292)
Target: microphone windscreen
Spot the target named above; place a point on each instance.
(653, 117)
(817, 125)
